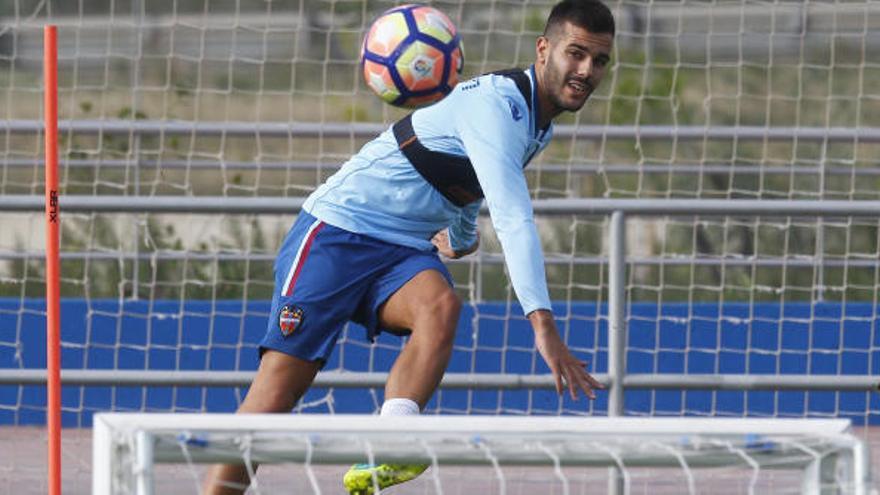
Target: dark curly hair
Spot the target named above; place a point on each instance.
(591, 15)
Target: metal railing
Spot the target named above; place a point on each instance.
(573, 168)
(365, 130)
(784, 29)
(617, 380)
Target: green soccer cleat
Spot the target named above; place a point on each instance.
(359, 479)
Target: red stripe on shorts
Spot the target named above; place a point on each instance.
(302, 258)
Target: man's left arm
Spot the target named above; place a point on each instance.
(568, 371)
(496, 144)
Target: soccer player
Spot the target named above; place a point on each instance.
(365, 246)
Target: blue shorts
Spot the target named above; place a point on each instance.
(326, 276)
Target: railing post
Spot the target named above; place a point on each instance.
(616, 312)
(137, 17)
(616, 332)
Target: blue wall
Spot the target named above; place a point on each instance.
(797, 338)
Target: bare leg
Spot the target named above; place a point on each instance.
(428, 307)
(280, 381)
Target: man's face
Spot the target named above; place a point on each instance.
(573, 61)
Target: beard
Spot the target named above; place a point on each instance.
(563, 96)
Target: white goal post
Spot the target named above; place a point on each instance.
(824, 455)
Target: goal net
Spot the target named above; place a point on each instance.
(502, 455)
(191, 130)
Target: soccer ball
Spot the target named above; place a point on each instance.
(412, 56)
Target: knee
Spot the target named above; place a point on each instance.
(444, 310)
(447, 307)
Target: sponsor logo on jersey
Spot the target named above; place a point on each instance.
(470, 84)
(289, 319)
(515, 112)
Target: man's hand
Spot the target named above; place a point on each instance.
(441, 241)
(566, 368)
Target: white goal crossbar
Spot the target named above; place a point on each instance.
(126, 446)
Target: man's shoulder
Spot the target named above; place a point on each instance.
(493, 90)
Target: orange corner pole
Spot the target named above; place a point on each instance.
(53, 263)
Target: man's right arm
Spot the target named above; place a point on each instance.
(464, 238)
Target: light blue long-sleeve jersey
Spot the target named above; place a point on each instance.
(380, 194)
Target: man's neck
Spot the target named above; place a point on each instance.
(547, 110)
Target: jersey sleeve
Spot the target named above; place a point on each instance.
(495, 136)
(463, 232)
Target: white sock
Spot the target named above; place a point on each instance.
(399, 407)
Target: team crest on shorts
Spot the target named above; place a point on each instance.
(289, 319)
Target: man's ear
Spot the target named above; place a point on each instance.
(542, 50)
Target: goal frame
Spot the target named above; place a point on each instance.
(141, 435)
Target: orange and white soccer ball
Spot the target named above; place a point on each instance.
(412, 56)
